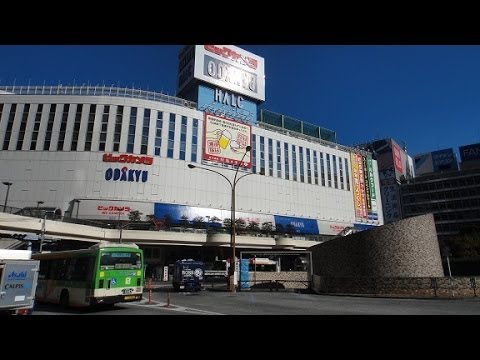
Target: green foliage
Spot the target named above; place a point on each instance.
(198, 222)
(134, 216)
(167, 221)
(240, 224)
(184, 221)
(267, 227)
(253, 226)
(227, 223)
(215, 219)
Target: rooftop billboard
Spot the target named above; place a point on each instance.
(470, 152)
(225, 66)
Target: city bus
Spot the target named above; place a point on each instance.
(105, 273)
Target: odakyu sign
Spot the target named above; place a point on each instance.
(225, 66)
(126, 174)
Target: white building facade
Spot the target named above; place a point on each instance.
(116, 150)
(99, 153)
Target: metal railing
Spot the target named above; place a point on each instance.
(97, 90)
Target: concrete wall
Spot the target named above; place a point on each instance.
(408, 287)
(406, 248)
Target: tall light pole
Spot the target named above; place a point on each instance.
(42, 234)
(120, 228)
(8, 184)
(78, 206)
(38, 207)
(233, 184)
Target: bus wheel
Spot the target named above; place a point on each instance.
(64, 299)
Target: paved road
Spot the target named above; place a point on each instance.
(272, 303)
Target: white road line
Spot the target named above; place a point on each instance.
(163, 306)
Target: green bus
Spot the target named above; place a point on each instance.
(105, 273)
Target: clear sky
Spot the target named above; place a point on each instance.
(427, 97)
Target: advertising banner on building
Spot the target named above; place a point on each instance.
(397, 157)
(423, 164)
(230, 68)
(357, 195)
(109, 209)
(373, 215)
(296, 225)
(362, 186)
(444, 160)
(213, 217)
(470, 152)
(332, 228)
(367, 187)
(390, 196)
(225, 141)
(227, 104)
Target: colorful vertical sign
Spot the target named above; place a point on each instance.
(362, 186)
(357, 196)
(397, 157)
(373, 215)
(367, 187)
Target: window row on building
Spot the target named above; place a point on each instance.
(118, 128)
(298, 163)
(92, 127)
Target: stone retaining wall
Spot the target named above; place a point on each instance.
(409, 287)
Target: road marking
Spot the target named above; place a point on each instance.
(163, 306)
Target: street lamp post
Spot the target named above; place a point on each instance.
(78, 206)
(38, 207)
(233, 184)
(8, 184)
(42, 234)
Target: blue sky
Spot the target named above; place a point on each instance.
(425, 96)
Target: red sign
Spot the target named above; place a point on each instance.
(129, 159)
(232, 55)
(113, 209)
(397, 157)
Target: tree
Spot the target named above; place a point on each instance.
(240, 224)
(267, 227)
(227, 223)
(215, 219)
(134, 216)
(167, 221)
(184, 221)
(198, 222)
(253, 226)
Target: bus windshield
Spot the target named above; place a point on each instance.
(120, 260)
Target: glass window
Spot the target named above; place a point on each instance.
(194, 140)
(131, 130)
(287, 166)
(158, 133)
(171, 136)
